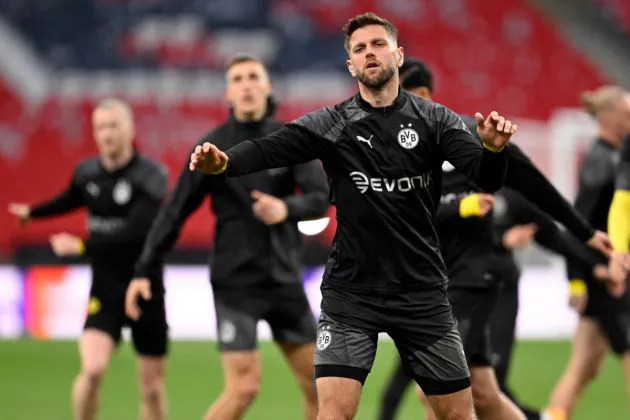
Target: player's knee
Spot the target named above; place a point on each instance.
(333, 413)
(485, 397)
(93, 373)
(151, 388)
(245, 390)
(337, 407)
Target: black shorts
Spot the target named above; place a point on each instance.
(425, 335)
(286, 310)
(611, 314)
(106, 312)
(473, 310)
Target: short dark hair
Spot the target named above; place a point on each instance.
(367, 19)
(414, 73)
(241, 58)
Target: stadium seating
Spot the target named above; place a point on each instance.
(618, 11)
(166, 58)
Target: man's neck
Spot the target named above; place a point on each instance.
(113, 163)
(610, 138)
(249, 117)
(382, 97)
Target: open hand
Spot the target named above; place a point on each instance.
(21, 211)
(601, 242)
(619, 266)
(269, 209)
(495, 130)
(138, 288)
(486, 201)
(208, 159)
(519, 236)
(66, 245)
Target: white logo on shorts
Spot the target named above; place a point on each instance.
(227, 332)
(323, 340)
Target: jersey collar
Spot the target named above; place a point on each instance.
(400, 100)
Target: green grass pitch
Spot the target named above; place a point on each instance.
(35, 379)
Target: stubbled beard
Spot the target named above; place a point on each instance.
(381, 79)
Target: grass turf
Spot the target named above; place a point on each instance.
(35, 379)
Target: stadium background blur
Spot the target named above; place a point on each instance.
(528, 59)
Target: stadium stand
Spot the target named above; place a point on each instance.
(166, 58)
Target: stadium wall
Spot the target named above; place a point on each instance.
(49, 302)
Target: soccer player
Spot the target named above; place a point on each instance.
(517, 222)
(122, 191)
(383, 150)
(474, 244)
(256, 269)
(605, 321)
(417, 79)
(522, 175)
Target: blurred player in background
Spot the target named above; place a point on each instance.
(605, 316)
(522, 175)
(418, 80)
(122, 191)
(385, 272)
(517, 222)
(256, 270)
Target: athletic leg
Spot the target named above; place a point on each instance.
(96, 348)
(239, 356)
(394, 392)
(150, 337)
(343, 360)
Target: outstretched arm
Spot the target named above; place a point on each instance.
(313, 201)
(291, 145)
(68, 200)
(523, 176)
(485, 164)
(549, 234)
(187, 196)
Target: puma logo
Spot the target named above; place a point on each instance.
(364, 140)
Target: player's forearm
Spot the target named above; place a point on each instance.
(619, 221)
(490, 175)
(565, 244)
(289, 146)
(161, 238)
(245, 158)
(306, 206)
(524, 177)
(61, 204)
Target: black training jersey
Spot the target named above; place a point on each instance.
(523, 176)
(468, 244)
(121, 206)
(622, 178)
(596, 190)
(247, 252)
(384, 168)
(512, 209)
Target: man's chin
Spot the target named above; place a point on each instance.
(375, 82)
